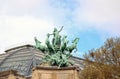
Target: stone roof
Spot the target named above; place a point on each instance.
(24, 58)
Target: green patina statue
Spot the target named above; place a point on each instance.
(57, 52)
(64, 44)
(51, 49)
(56, 41)
(73, 46)
(39, 46)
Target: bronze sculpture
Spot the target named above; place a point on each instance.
(57, 51)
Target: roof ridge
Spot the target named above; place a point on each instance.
(26, 45)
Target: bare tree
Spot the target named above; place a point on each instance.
(104, 62)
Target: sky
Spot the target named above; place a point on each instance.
(93, 21)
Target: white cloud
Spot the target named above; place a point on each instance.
(20, 29)
(43, 9)
(103, 15)
(12, 7)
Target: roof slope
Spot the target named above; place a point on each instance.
(23, 59)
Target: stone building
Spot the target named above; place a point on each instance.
(20, 61)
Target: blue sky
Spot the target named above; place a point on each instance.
(93, 21)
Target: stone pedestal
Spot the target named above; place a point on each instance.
(55, 73)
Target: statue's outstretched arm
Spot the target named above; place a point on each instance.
(60, 29)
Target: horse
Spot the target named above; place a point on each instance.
(73, 46)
